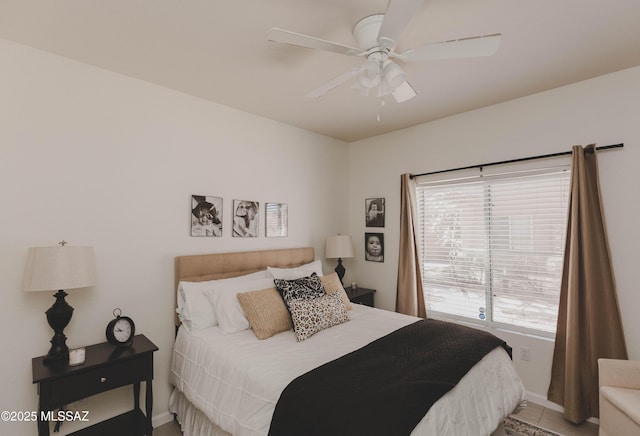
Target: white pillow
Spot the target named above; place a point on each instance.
(194, 310)
(297, 272)
(226, 306)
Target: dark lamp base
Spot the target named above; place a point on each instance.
(340, 269)
(58, 316)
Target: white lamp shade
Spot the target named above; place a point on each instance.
(339, 246)
(59, 268)
(394, 76)
(369, 74)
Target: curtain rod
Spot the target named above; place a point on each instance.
(522, 159)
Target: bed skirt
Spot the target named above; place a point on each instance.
(192, 421)
(195, 423)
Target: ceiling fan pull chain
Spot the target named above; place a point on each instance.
(380, 108)
(381, 90)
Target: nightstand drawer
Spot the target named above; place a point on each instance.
(98, 380)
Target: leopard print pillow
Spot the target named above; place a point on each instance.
(304, 288)
(311, 316)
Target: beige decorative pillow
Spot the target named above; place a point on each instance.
(331, 283)
(266, 312)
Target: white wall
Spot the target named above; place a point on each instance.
(602, 110)
(101, 159)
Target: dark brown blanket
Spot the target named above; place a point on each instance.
(384, 388)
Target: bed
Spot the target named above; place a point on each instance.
(228, 381)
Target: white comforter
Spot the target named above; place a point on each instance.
(236, 379)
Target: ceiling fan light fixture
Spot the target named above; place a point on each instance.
(383, 91)
(369, 75)
(362, 90)
(393, 75)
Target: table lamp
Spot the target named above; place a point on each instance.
(61, 267)
(339, 246)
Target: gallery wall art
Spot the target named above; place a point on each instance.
(206, 216)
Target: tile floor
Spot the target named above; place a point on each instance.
(168, 429)
(533, 413)
(554, 421)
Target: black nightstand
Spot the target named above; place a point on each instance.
(361, 295)
(106, 367)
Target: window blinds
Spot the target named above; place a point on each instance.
(492, 247)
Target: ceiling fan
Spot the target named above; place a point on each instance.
(376, 37)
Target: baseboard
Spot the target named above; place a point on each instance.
(542, 401)
(161, 418)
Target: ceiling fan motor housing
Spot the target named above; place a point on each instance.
(366, 32)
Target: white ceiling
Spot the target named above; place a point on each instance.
(218, 50)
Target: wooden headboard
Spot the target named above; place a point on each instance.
(201, 267)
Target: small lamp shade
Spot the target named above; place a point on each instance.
(339, 246)
(61, 267)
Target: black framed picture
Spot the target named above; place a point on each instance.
(206, 216)
(245, 218)
(374, 247)
(374, 212)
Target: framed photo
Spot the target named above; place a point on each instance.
(276, 220)
(206, 216)
(374, 247)
(374, 212)
(245, 218)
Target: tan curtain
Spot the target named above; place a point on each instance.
(409, 298)
(589, 324)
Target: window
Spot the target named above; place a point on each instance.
(492, 248)
(277, 218)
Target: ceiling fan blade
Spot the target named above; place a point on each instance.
(458, 48)
(404, 92)
(332, 84)
(396, 18)
(293, 38)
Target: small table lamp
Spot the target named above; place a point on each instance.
(339, 246)
(61, 267)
